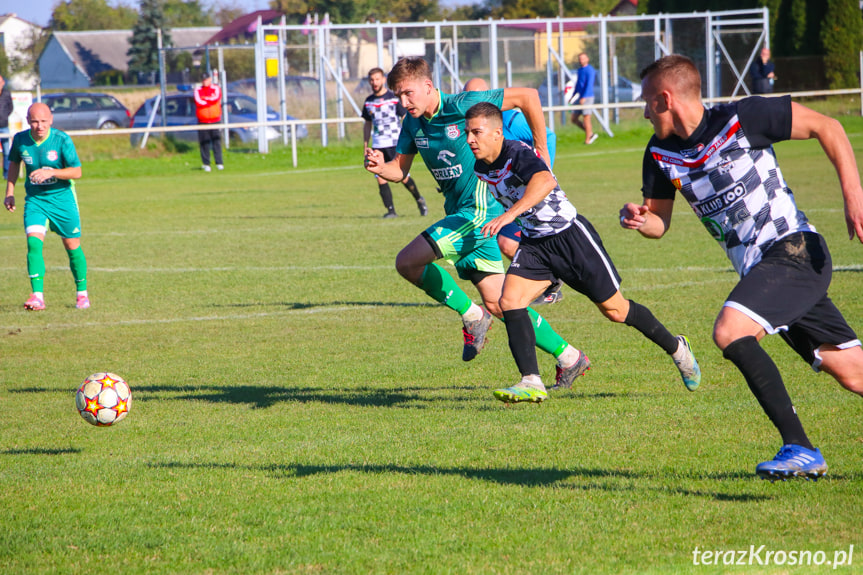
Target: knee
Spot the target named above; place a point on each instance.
(507, 246)
(494, 308)
(615, 315)
(723, 337)
(407, 267)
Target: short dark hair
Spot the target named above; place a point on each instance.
(409, 68)
(485, 110)
(375, 71)
(677, 70)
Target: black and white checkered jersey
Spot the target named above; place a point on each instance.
(507, 179)
(385, 113)
(727, 171)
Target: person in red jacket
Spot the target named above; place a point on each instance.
(208, 108)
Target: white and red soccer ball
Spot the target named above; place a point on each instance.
(103, 399)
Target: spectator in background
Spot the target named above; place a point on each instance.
(762, 73)
(383, 115)
(208, 109)
(583, 95)
(5, 112)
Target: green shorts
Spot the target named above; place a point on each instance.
(57, 211)
(458, 238)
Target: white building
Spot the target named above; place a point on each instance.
(15, 35)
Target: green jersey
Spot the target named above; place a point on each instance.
(442, 143)
(55, 151)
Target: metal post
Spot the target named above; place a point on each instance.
(261, 88)
(223, 83)
(322, 83)
(438, 73)
(283, 105)
(379, 30)
(454, 52)
(708, 56)
(162, 77)
(548, 74)
(603, 65)
(492, 54)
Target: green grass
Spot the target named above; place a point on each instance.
(299, 408)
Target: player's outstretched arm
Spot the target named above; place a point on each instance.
(539, 186)
(527, 100)
(806, 124)
(11, 180)
(651, 220)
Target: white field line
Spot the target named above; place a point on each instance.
(159, 321)
(341, 309)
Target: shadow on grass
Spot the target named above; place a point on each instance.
(542, 477)
(262, 397)
(41, 451)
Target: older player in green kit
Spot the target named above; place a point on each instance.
(434, 129)
(51, 165)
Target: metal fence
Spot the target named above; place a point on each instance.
(538, 53)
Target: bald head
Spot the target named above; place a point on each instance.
(676, 74)
(476, 85)
(38, 109)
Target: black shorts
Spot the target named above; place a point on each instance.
(575, 255)
(389, 153)
(786, 293)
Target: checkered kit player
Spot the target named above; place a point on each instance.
(383, 115)
(434, 129)
(557, 242)
(722, 162)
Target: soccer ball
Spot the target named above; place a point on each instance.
(103, 399)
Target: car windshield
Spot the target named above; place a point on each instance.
(244, 106)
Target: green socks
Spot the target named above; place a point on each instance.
(441, 287)
(35, 263)
(546, 338)
(78, 265)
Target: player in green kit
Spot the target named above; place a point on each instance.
(434, 128)
(51, 165)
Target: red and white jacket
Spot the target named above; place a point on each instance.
(208, 104)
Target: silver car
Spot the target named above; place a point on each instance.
(86, 111)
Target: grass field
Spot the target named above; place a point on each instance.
(299, 408)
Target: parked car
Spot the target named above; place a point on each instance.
(180, 111)
(626, 91)
(85, 111)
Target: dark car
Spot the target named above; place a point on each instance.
(85, 111)
(180, 111)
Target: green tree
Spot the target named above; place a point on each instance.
(73, 15)
(550, 8)
(180, 13)
(348, 11)
(842, 36)
(143, 46)
(4, 63)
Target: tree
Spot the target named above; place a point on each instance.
(73, 15)
(842, 36)
(550, 8)
(143, 50)
(179, 13)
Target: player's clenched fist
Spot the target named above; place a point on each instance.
(374, 160)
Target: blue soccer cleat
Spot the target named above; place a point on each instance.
(793, 461)
(686, 363)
